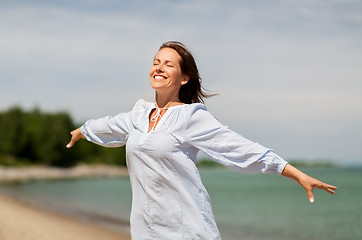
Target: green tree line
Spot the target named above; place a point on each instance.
(39, 138)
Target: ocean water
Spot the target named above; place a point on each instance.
(251, 207)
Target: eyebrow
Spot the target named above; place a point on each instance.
(167, 61)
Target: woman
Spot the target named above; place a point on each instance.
(162, 140)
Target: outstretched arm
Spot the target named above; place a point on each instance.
(76, 135)
(307, 182)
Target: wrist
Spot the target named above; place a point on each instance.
(293, 173)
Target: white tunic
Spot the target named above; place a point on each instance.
(169, 200)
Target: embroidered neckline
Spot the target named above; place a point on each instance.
(158, 117)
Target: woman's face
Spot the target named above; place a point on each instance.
(165, 73)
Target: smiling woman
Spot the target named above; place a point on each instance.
(162, 141)
(192, 92)
(166, 76)
(167, 70)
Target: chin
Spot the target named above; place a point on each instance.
(157, 85)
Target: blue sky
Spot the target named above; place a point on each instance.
(288, 73)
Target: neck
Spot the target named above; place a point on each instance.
(167, 100)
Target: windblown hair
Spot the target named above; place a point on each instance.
(192, 91)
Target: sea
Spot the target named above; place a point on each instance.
(250, 207)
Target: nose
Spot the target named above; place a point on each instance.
(159, 68)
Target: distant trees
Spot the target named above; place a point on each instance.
(33, 137)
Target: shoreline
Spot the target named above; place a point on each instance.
(23, 221)
(30, 173)
(107, 222)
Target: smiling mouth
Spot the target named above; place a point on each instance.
(159, 77)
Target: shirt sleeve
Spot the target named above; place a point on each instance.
(229, 148)
(108, 131)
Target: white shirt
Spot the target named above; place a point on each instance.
(169, 200)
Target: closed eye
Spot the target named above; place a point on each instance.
(156, 62)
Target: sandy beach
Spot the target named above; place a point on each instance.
(21, 221)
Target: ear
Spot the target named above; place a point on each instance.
(185, 79)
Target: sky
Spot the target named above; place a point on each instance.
(288, 74)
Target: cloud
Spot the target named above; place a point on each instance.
(288, 71)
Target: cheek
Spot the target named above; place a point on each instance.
(151, 71)
(177, 76)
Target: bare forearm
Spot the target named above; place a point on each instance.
(293, 173)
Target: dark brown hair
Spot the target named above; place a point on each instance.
(192, 91)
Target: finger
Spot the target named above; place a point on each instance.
(328, 188)
(72, 140)
(70, 144)
(310, 195)
(331, 187)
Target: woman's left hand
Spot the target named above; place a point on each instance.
(307, 182)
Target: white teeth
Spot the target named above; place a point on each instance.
(159, 77)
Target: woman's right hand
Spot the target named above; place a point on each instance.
(76, 135)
